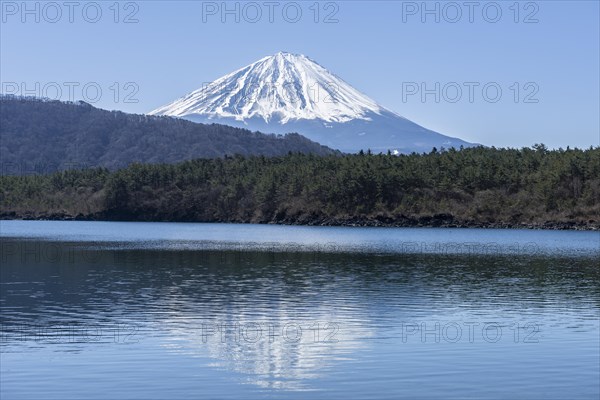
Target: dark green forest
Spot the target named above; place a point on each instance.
(43, 136)
(533, 187)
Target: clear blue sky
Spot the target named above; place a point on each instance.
(381, 48)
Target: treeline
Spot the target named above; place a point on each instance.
(471, 187)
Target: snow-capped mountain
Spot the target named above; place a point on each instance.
(291, 93)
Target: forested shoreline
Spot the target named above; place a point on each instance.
(479, 187)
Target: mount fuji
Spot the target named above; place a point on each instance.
(291, 93)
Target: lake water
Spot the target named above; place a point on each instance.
(159, 310)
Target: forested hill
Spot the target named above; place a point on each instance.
(472, 187)
(45, 136)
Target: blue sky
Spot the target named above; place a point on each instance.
(543, 56)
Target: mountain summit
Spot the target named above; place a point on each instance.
(292, 93)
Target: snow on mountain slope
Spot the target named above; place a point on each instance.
(292, 93)
(283, 87)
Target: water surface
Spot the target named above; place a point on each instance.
(157, 310)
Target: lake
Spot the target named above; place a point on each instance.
(103, 310)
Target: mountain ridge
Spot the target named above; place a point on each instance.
(41, 136)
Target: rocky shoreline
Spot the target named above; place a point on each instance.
(435, 221)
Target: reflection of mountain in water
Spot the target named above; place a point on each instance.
(169, 295)
(271, 358)
(277, 293)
